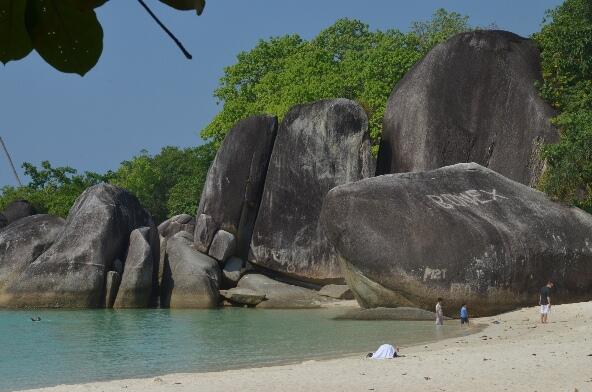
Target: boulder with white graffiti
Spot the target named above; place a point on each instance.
(461, 232)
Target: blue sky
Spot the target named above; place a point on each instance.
(143, 94)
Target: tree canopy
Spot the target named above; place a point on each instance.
(346, 60)
(565, 41)
(65, 33)
(167, 184)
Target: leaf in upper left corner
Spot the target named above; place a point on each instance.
(185, 5)
(68, 38)
(14, 38)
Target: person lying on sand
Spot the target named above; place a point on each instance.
(385, 351)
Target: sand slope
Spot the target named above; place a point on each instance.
(516, 354)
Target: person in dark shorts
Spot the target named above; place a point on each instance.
(464, 315)
(545, 301)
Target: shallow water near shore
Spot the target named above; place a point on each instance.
(76, 346)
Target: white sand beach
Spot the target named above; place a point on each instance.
(512, 353)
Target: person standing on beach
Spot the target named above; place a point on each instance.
(464, 315)
(439, 313)
(545, 301)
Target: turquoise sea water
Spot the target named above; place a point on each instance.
(75, 346)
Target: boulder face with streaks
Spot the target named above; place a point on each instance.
(318, 146)
(73, 271)
(232, 192)
(22, 242)
(464, 233)
(472, 98)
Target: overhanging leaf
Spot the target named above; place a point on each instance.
(14, 38)
(184, 5)
(68, 38)
(90, 4)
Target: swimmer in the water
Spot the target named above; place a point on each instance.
(36, 318)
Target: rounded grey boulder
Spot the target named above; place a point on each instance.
(223, 245)
(318, 146)
(464, 233)
(472, 98)
(73, 271)
(191, 279)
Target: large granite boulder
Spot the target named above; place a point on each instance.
(462, 232)
(470, 99)
(3, 221)
(138, 281)
(22, 242)
(279, 295)
(18, 209)
(191, 279)
(233, 187)
(318, 146)
(72, 272)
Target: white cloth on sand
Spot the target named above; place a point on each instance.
(384, 351)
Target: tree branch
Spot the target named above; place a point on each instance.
(162, 26)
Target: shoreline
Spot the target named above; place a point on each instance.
(510, 350)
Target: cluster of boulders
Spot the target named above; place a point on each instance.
(291, 210)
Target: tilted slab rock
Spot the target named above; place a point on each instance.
(191, 279)
(72, 272)
(464, 233)
(243, 296)
(138, 282)
(233, 188)
(319, 146)
(472, 98)
(21, 243)
(281, 295)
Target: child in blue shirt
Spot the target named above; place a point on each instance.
(464, 315)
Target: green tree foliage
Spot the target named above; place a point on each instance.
(566, 55)
(166, 184)
(345, 60)
(51, 190)
(66, 33)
